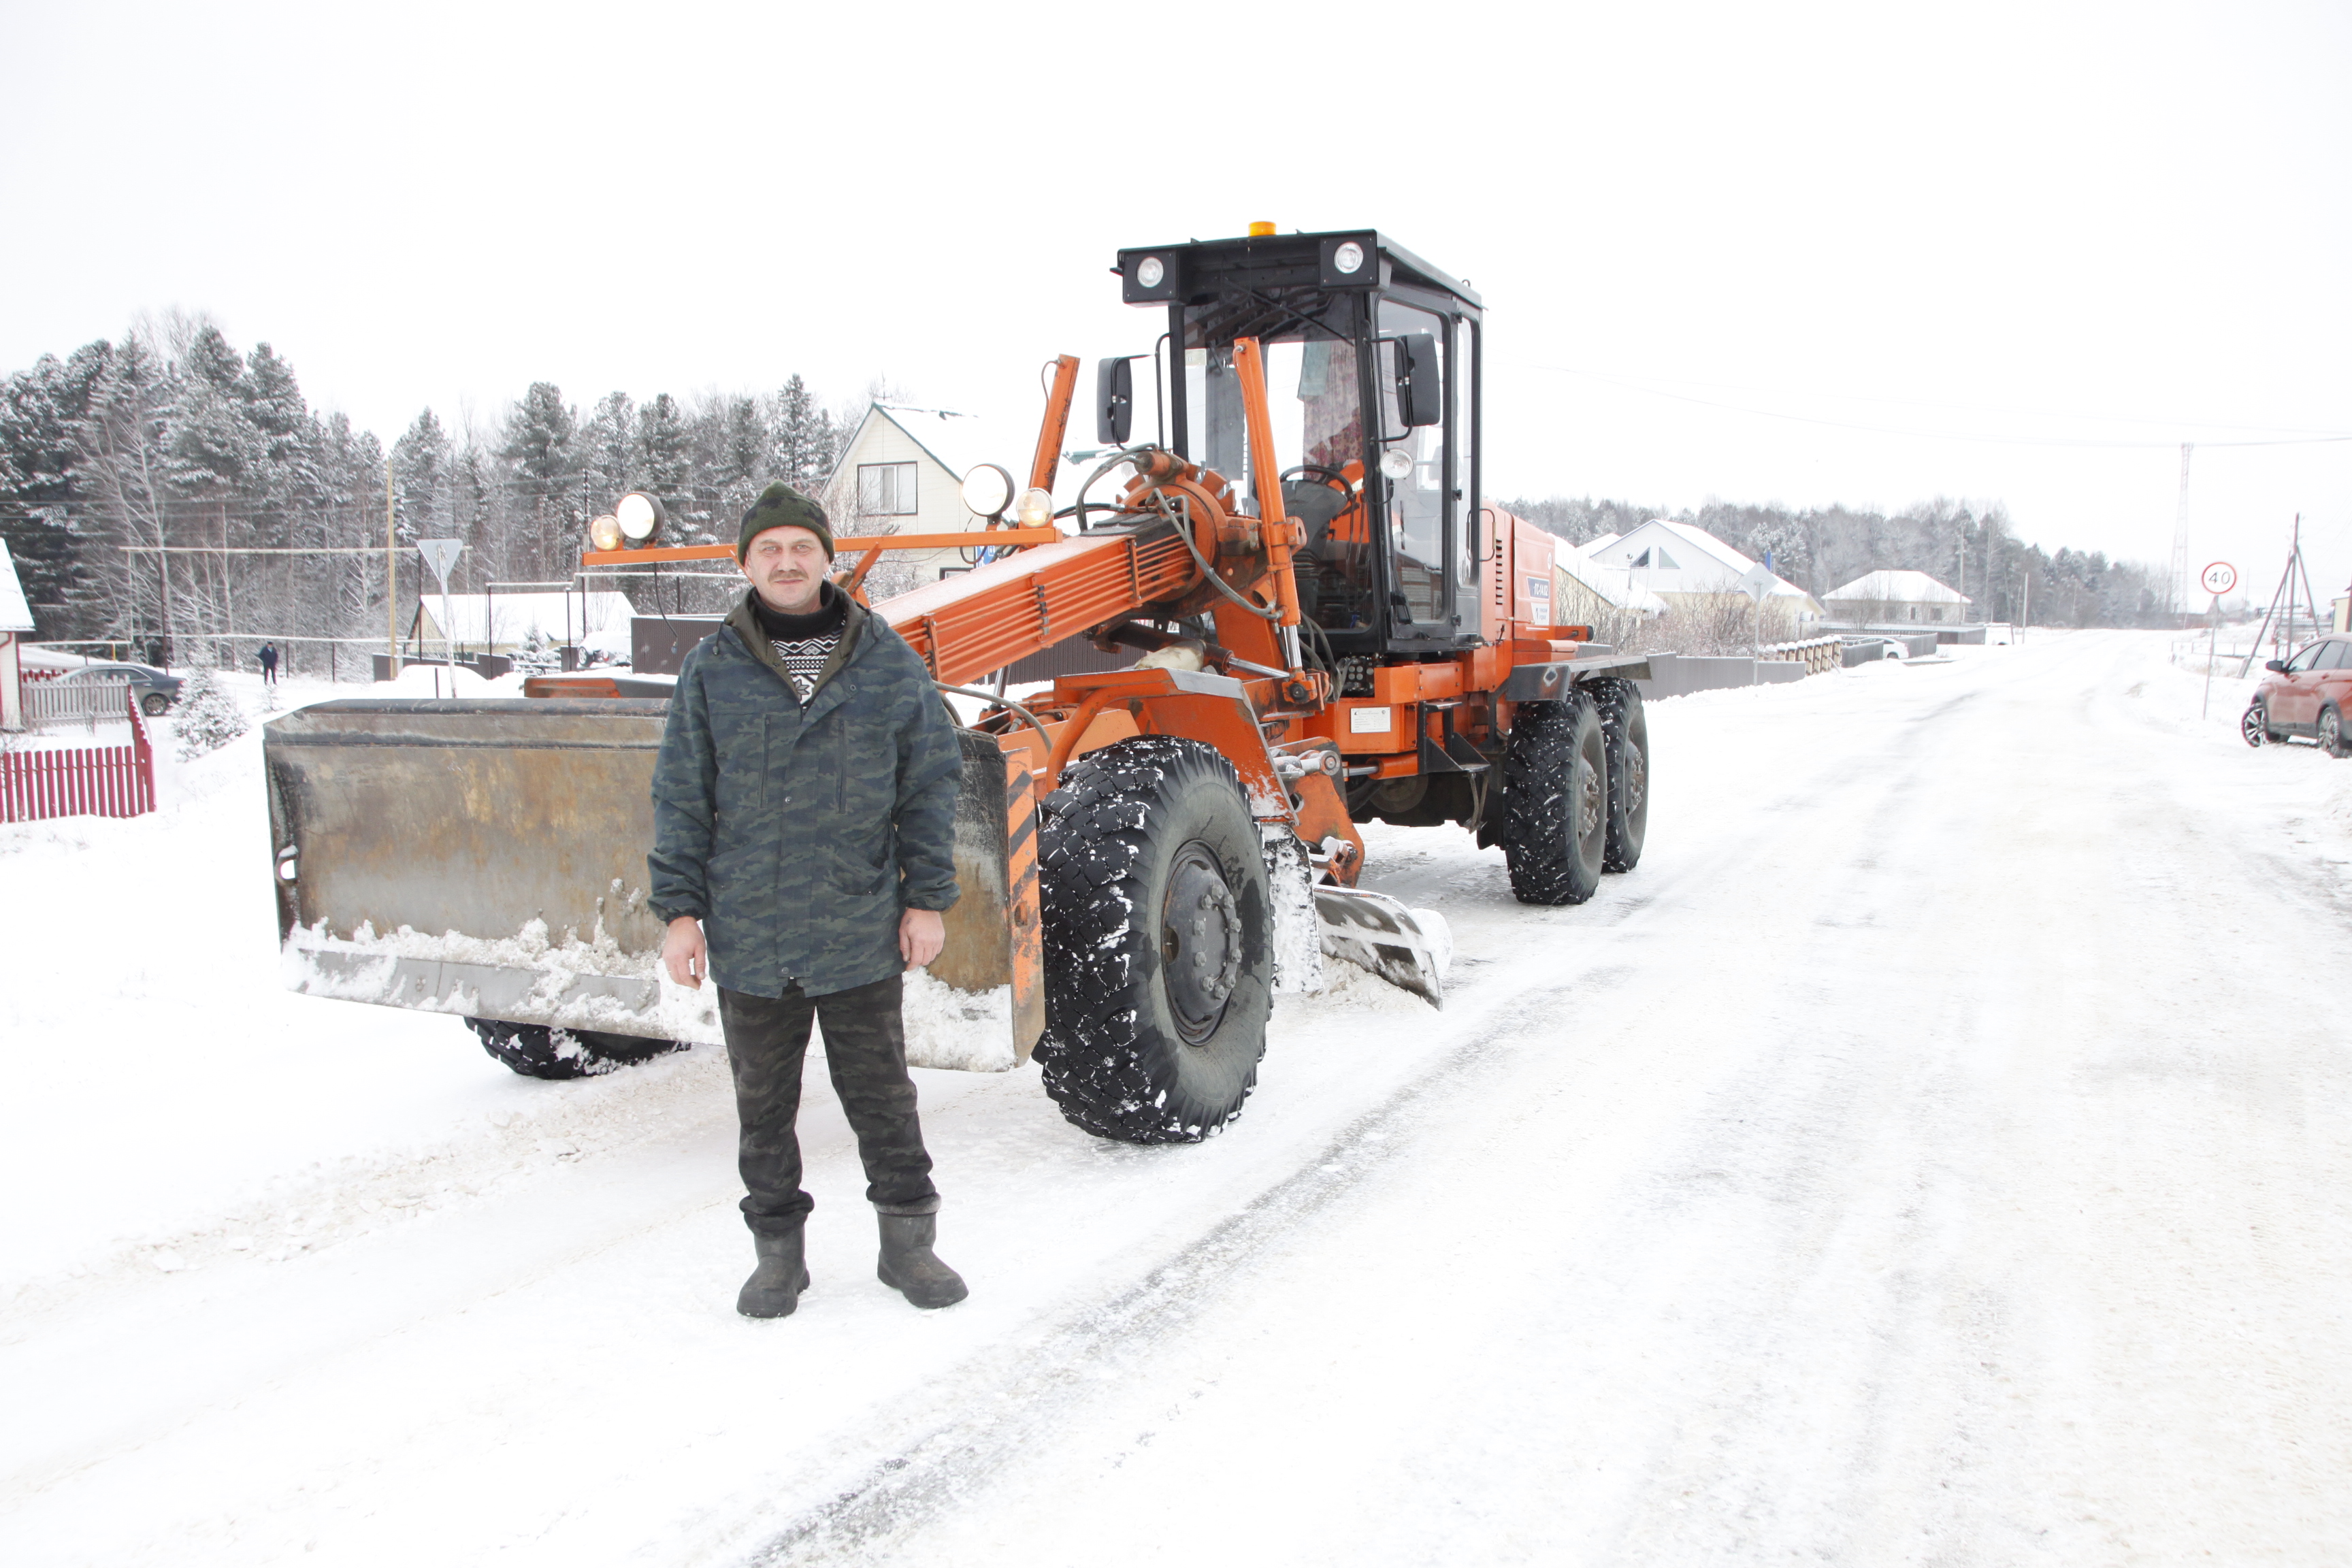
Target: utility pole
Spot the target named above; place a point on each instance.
(391, 577)
(2180, 539)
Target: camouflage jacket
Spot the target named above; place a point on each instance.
(798, 834)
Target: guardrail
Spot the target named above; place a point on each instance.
(81, 781)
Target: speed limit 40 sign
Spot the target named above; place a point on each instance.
(2220, 578)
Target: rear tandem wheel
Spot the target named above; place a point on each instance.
(1625, 736)
(1159, 942)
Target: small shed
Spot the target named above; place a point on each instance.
(1892, 598)
(507, 623)
(16, 625)
(903, 472)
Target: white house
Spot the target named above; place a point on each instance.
(1680, 561)
(16, 625)
(1584, 591)
(1896, 598)
(903, 473)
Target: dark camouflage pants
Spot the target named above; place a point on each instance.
(866, 1051)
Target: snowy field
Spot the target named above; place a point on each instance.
(1938, 1150)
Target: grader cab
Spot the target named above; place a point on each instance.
(1328, 628)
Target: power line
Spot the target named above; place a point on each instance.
(2310, 440)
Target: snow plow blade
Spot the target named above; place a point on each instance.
(487, 859)
(1374, 931)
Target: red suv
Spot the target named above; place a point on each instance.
(2306, 695)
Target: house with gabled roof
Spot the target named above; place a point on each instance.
(1686, 566)
(16, 625)
(903, 472)
(1896, 598)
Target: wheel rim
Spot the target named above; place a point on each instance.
(1200, 942)
(1591, 799)
(1637, 781)
(2331, 729)
(2250, 726)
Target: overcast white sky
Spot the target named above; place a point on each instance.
(1889, 225)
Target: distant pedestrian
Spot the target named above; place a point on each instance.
(268, 656)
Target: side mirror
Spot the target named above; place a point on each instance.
(1420, 393)
(2277, 664)
(1114, 401)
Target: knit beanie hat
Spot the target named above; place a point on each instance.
(780, 506)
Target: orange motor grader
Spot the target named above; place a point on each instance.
(1328, 629)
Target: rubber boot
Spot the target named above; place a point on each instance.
(774, 1288)
(908, 1265)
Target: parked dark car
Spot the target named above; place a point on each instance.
(2307, 695)
(157, 692)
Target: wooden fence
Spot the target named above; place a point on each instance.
(64, 704)
(81, 781)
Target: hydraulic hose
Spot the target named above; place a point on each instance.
(1004, 702)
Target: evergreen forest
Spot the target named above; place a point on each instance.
(271, 516)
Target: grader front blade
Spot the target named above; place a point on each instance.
(487, 858)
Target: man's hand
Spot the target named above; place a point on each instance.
(683, 953)
(921, 934)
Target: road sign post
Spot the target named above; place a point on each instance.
(441, 554)
(2218, 579)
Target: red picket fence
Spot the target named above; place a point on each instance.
(82, 780)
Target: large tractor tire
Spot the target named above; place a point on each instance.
(1159, 942)
(1625, 737)
(535, 1050)
(1556, 801)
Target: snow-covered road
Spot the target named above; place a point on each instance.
(1938, 1150)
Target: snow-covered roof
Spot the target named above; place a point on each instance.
(960, 442)
(1683, 558)
(15, 615)
(517, 615)
(1897, 588)
(1606, 539)
(1613, 585)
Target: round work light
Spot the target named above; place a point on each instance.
(1349, 257)
(640, 517)
(1396, 462)
(1149, 271)
(1036, 508)
(987, 491)
(605, 533)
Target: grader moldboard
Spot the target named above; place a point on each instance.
(1329, 630)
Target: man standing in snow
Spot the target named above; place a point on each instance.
(803, 829)
(268, 656)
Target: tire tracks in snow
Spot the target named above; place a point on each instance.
(939, 1448)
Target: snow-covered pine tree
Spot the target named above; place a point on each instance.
(538, 443)
(796, 435)
(208, 716)
(608, 445)
(420, 467)
(665, 458)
